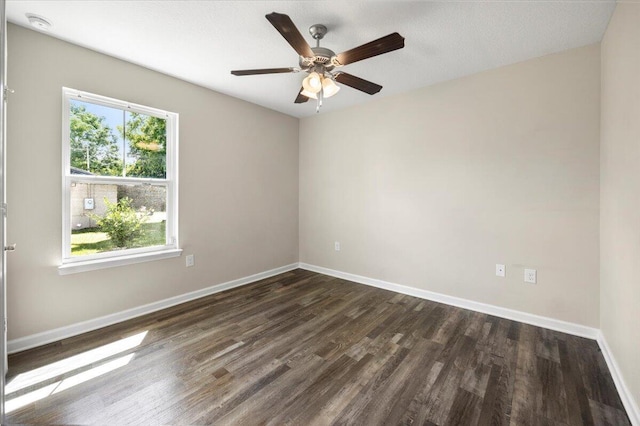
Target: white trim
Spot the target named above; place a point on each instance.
(110, 262)
(39, 339)
(630, 405)
(114, 103)
(625, 395)
(66, 165)
(537, 320)
(173, 136)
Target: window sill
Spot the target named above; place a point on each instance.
(92, 265)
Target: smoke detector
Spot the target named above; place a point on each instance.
(38, 22)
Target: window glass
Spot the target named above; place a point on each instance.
(107, 217)
(107, 141)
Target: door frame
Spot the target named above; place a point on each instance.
(3, 208)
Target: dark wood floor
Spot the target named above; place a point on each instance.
(302, 348)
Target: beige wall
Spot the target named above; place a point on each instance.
(238, 187)
(431, 189)
(620, 192)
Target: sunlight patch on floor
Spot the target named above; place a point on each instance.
(75, 362)
(28, 398)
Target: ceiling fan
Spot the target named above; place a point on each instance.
(321, 63)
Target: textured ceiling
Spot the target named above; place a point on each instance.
(201, 41)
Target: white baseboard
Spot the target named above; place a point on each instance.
(39, 339)
(629, 403)
(537, 320)
(565, 327)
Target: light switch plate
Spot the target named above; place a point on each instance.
(501, 270)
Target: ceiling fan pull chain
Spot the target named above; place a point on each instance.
(320, 96)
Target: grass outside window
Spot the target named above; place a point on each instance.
(92, 240)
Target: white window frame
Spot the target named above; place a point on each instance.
(90, 262)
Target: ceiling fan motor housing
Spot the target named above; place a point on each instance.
(322, 58)
(318, 31)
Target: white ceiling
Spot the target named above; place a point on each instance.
(202, 41)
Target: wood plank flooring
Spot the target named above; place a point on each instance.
(303, 348)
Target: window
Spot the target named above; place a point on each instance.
(120, 182)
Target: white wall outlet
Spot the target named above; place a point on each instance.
(530, 276)
(190, 260)
(501, 270)
(336, 245)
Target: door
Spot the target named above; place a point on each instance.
(3, 213)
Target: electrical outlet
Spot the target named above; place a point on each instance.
(501, 270)
(337, 245)
(190, 260)
(530, 276)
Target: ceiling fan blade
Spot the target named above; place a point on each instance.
(374, 48)
(287, 28)
(300, 99)
(263, 71)
(358, 83)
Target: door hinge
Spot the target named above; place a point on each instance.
(7, 90)
(3, 209)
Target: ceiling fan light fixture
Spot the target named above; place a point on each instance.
(308, 94)
(329, 87)
(312, 83)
